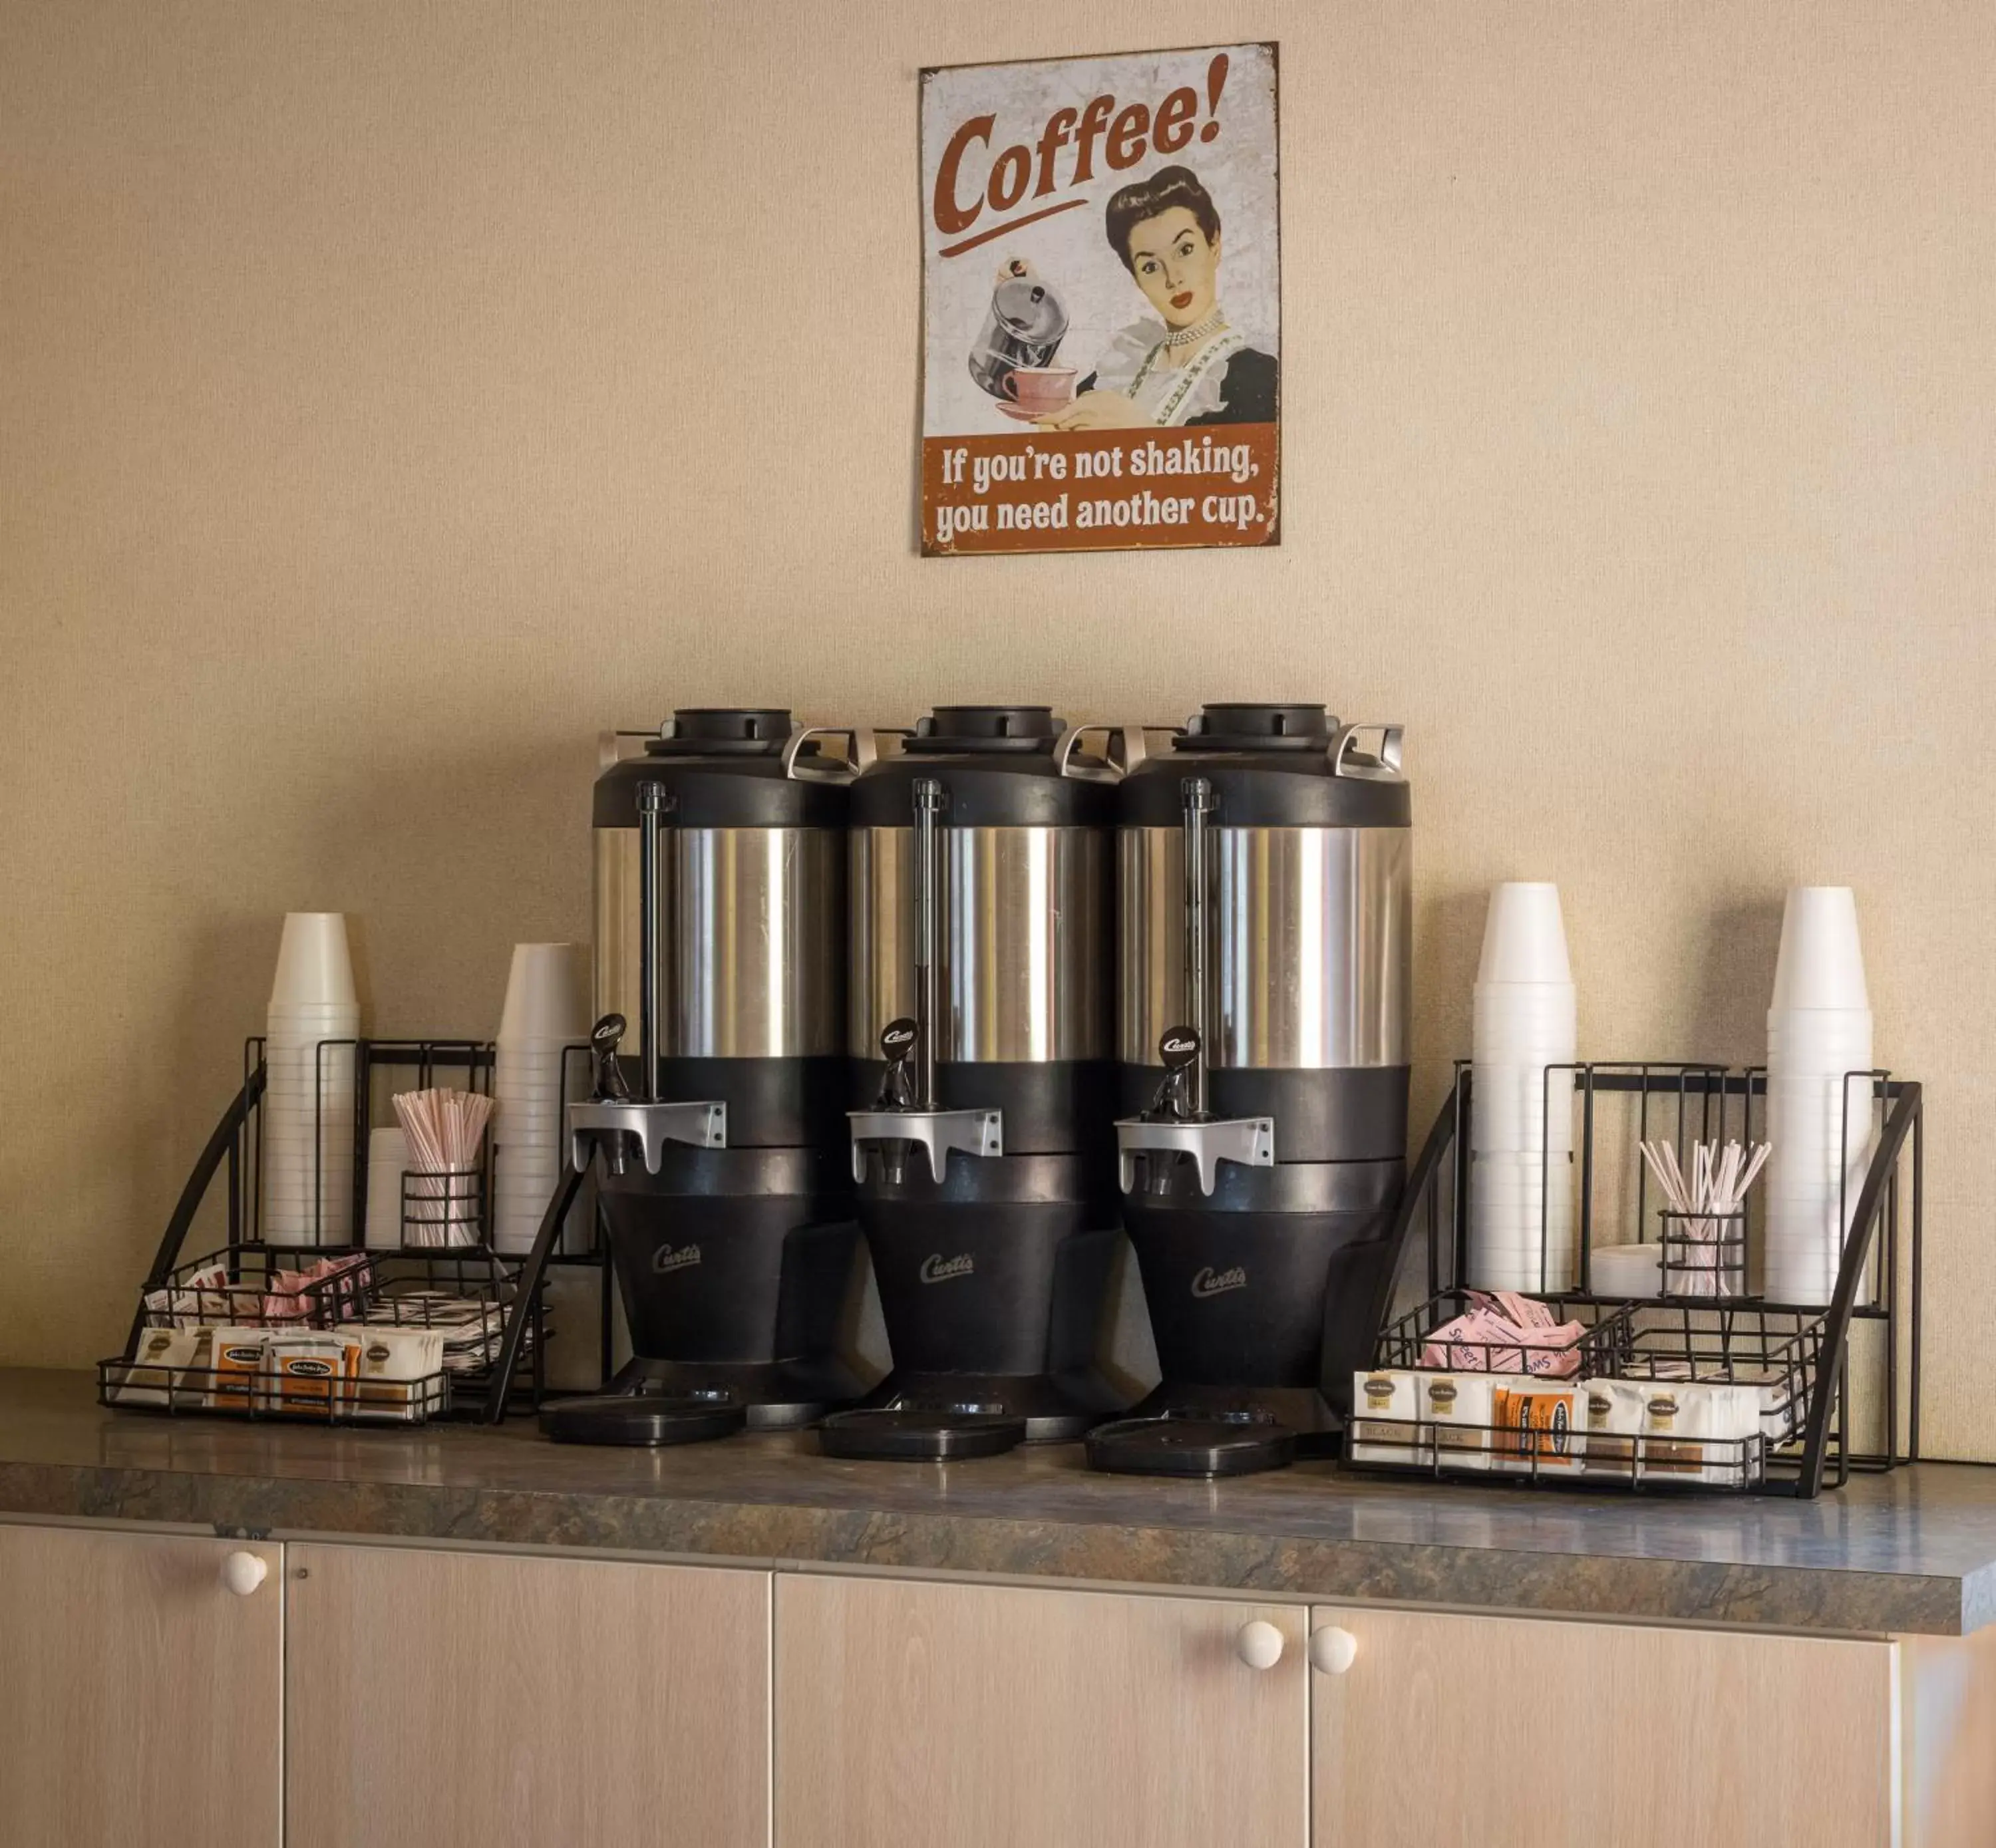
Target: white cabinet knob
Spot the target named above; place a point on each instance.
(1259, 1644)
(242, 1572)
(1332, 1650)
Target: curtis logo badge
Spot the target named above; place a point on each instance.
(666, 1258)
(1210, 1282)
(936, 1269)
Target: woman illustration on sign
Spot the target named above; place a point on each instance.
(1191, 368)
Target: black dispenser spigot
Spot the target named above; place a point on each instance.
(610, 1085)
(899, 1039)
(1178, 1048)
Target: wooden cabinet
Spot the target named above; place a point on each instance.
(982, 1716)
(1947, 1698)
(454, 1700)
(194, 1693)
(140, 1698)
(1451, 1732)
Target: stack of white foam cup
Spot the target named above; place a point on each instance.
(547, 1009)
(388, 1161)
(1818, 1030)
(308, 1106)
(1521, 1234)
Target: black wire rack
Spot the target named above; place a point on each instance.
(1603, 1411)
(410, 1284)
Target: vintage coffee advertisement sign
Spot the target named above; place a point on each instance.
(1102, 303)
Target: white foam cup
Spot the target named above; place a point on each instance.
(1625, 1270)
(1520, 1108)
(1821, 963)
(1533, 1008)
(1821, 1041)
(314, 963)
(547, 995)
(1524, 937)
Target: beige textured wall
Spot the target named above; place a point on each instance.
(392, 395)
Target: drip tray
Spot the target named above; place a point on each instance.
(645, 1419)
(921, 1434)
(1227, 1443)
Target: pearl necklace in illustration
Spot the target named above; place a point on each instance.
(1191, 336)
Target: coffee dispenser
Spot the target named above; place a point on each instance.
(719, 1149)
(980, 1022)
(1264, 909)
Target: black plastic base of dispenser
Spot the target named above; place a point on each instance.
(886, 1434)
(779, 1395)
(1239, 1444)
(1054, 1408)
(647, 1420)
(1302, 1410)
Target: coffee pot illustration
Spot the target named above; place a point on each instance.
(1024, 326)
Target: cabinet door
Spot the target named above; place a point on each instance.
(1512, 1732)
(455, 1700)
(981, 1716)
(138, 1695)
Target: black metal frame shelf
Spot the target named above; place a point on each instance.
(233, 1155)
(1715, 1338)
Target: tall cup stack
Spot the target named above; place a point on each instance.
(388, 1161)
(1522, 1229)
(1819, 1121)
(308, 1110)
(547, 1008)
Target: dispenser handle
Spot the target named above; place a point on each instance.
(1137, 742)
(610, 751)
(1383, 765)
(866, 742)
(1108, 770)
(799, 770)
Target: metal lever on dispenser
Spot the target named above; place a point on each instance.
(613, 1115)
(908, 1115)
(1170, 1132)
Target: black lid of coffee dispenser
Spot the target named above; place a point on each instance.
(1271, 765)
(723, 766)
(1000, 767)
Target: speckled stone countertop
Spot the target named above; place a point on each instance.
(1915, 1551)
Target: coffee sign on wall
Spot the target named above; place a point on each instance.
(1102, 303)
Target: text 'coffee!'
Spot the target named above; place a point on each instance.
(1063, 153)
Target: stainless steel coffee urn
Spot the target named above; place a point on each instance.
(1264, 919)
(980, 1031)
(719, 1147)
